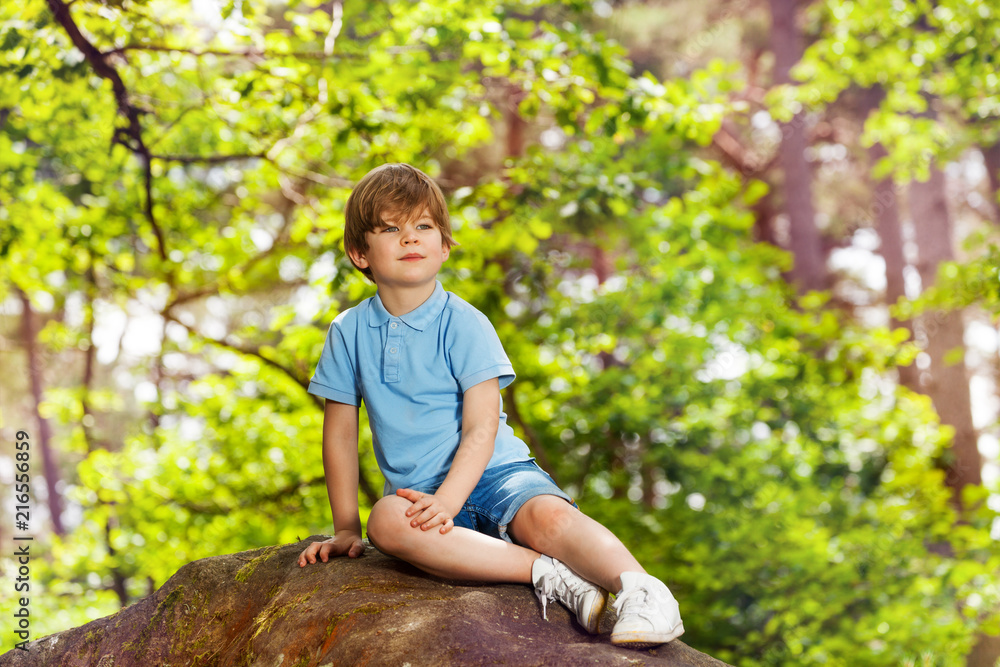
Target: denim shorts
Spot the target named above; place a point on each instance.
(500, 494)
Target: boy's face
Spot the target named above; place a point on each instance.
(404, 253)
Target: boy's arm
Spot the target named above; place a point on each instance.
(340, 466)
(480, 421)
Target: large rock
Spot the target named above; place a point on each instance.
(259, 608)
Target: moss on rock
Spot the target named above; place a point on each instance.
(373, 610)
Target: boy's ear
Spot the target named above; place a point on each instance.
(358, 258)
(445, 251)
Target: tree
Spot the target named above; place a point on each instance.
(939, 90)
(809, 269)
(885, 209)
(744, 447)
(948, 385)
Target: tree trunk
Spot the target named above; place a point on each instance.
(885, 208)
(809, 271)
(119, 582)
(88, 421)
(947, 383)
(763, 225)
(984, 653)
(49, 467)
(991, 156)
(885, 211)
(516, 124)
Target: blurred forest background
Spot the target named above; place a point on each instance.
(743, 255)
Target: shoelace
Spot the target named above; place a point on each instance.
(549, 585)
(638, 602)
(545, 590)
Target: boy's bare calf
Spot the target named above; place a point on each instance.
(545, 524)
(553, 527)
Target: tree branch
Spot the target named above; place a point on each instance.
(276, 495)
(246, 53)
(257, 54)
(130, 137)
(242, 269)
(534, 441)
(367, 488)
(208, 159)
(737, 156)
(249, 351)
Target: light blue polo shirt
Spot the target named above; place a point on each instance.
(411, 372)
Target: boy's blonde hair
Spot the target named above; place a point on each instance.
(392, 190)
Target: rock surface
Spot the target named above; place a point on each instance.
(259, 608)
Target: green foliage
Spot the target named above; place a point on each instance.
(935, 62)
(750, 452)
(960, 285)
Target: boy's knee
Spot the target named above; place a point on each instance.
(546, 521)
(387, 522)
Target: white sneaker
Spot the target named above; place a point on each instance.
(554, 581)
(648, 614)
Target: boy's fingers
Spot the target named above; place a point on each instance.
(323, 551)
(419, 502)
(437, 518)
(409, 494)
(442, 520)
(419, 506)
(307, 556)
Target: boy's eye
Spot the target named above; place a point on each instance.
(391, 228)
(423, 225)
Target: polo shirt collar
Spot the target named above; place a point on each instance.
(418, 318)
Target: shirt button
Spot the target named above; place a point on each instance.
(393, 325)
(392, 350)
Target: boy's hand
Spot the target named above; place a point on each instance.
(427, 510)
(342, 543)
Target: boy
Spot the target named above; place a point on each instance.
(463, 499)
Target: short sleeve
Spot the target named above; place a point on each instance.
(335, 377)
(475, 352)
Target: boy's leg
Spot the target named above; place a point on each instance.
(550, 525)
(648, 614)
(460, 553)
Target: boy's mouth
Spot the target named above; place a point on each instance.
(412, 255)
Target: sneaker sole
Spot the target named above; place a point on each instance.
(593, 624)
(645, 639)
